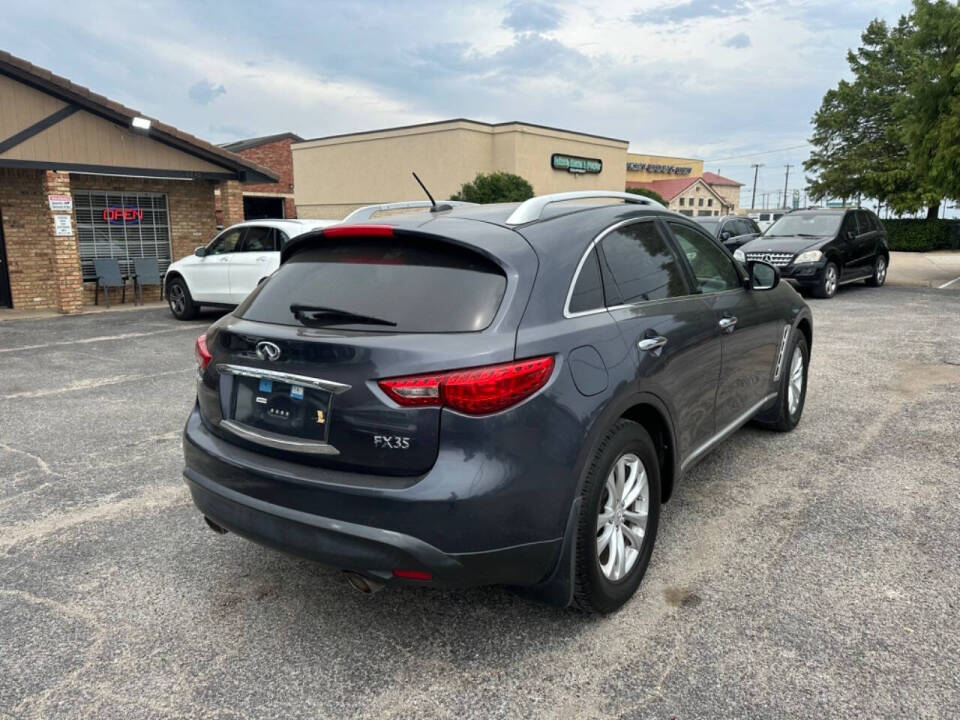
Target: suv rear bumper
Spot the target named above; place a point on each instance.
(372, 551)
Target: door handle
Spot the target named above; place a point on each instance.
(224, 259)
(728, 324)
(261, 259)
(652, 344)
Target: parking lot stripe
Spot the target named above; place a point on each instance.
(100, 338)
(90, 384)
(948, 284)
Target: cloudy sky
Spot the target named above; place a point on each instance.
(733, 82)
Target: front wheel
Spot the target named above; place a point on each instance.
(618, 519)
(827, 287)
(879, 272)
(785, 415)
(180, 301)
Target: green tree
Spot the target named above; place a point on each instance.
(495, 187)
(930, 107)
(652, 194)
(892, 132)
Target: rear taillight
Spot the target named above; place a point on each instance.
(202, 354)
(358, 231)
(474, 391)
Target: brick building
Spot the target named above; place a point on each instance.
(268, 200)
(83, 177)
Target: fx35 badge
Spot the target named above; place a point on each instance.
(391, 442)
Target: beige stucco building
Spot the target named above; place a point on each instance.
(334, 175)
(646, 168)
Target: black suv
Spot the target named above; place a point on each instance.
(732, 230)
(819, 250)
(499, 394)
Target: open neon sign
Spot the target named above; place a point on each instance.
(124, 215)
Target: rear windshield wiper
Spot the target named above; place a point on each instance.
(322, 315)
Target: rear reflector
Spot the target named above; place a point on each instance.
(358, 231)
(412, 575)
(202, 354)
(474, 391)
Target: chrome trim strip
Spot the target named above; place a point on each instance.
(531, 210)
(783, 348)
(728, 430)
(328, 385)
(277, 441)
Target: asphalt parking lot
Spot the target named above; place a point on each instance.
(813, 574)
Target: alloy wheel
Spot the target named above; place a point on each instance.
(622, 520)
(830, 283)
(881, 270)
(176, 299)
(795, 386)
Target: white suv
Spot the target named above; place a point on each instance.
(224, 272)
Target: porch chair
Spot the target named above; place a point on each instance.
(108, 276)
(146, 271)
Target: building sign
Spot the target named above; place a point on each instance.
(60, 203)
(62, 225)
(654, 168)
(574, 164)
(123, 215)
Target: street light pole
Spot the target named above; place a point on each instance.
(785, 179)
(756, 170)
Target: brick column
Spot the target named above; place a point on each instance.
(231, 202)
(65, 264)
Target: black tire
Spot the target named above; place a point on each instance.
(779, 417)
(879, 277)
(180, 301)
(827, 288)
(594, 592)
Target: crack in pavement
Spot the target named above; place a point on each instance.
(90, 384)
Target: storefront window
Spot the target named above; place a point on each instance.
(124, 226)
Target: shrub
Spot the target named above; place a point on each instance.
(652, 194)
(495, 187)
(922, 235)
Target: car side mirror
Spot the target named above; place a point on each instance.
(850, 235)
(200, 251)
(724, 236)
(763, 276)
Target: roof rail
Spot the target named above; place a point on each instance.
(531, 210)
(368, 211)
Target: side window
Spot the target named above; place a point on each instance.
(226, 243)
(849, 224)
(713, 270)
(754, 229)
(588, 292)
(865, 221)
(282, 239)
(259, 239)
(638, 264)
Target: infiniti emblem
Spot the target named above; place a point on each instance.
(267, 351)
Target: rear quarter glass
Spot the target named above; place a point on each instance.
(422, 287)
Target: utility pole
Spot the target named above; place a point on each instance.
(785, 179)
(756, 170)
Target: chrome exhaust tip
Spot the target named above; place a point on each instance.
(362, 584)
(213, 526)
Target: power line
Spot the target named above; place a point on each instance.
(765, 152)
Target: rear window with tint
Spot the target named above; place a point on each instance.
(420, 286)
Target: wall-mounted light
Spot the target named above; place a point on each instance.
(141, 123)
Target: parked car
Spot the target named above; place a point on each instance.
(819, 250)
(223, 272)
(502, 394)
(732, 230)
(767, 218)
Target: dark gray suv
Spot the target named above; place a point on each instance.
(500, 394)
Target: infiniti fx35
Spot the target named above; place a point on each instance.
(496, 394)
